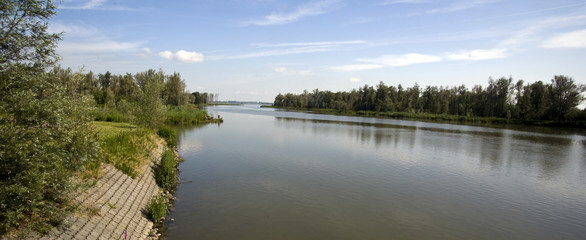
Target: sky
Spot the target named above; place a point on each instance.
(251, 50)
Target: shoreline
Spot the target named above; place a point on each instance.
(114, 208)
(439, 118)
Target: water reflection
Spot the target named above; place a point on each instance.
(545, 154)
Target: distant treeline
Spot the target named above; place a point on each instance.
(555, 101)
(140, 98)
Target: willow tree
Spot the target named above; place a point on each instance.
(44, 136)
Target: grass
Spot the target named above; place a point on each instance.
(125, 146)
(166, 173)
(108, 115)
(169, 134)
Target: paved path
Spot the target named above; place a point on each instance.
(121, 201)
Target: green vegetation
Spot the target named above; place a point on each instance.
(169, 134)
(166, 174)
(47, 139)
(44, 132)
(157, 208)
(501, 102)
(128, 150)
(188, 114)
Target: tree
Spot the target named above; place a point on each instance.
(564, 95)
(150, 111)
(24, 38)
(175, 88)
(45, 135)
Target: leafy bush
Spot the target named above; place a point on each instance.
(169, 134)
(186, 114)
(45, 137)
(166, 171)
(157, 208)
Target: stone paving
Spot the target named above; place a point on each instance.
(115, 206)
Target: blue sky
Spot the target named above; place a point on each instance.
(255, 49)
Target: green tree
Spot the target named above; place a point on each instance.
(24, 38)
(175, 89)
(44, 129)
(564, 95)
(150, 111)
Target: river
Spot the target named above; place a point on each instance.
(271, 174)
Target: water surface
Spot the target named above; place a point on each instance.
(269, 174)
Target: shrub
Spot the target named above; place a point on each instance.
(166, 171)
(45, 138)
(187, 114)
(157, 208)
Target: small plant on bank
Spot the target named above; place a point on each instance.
(157, 208)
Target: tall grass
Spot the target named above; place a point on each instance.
(126, 147)
(166, 174)
(169, 134)
(157, 208)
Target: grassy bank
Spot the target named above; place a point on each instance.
(129, 148)
(126, 146)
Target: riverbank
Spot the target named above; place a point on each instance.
(114, 207)
(444, 118)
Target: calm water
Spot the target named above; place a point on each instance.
(267, 174)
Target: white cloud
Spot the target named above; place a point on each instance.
(280, 69)
(92, 5)
(279, 52)
(533, 35)
(280, 49)
(80, 39)
(97, 47)
(356, 67)
(575, 39)
(402, 60)
(392, 2)
(304, 44)
(477, 54)
(310, 9)
(416, 58)
(73, 31)
(145, 52)
(355, 79)
(284, 70)
(182, 56)
(460, 6)
(166, 54)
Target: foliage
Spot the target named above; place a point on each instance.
(501, 99)
(24, 38)
(166, 174)
(187, 114)
(157, 208)
(150, 111)
(203, 98)
(169, 134)
(45, 138)
(175, 90)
